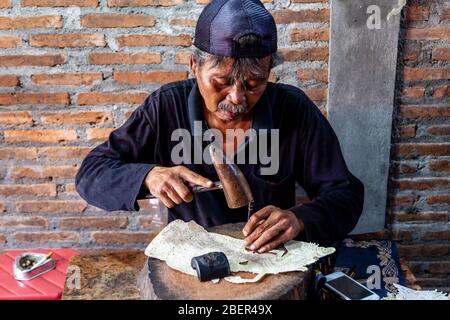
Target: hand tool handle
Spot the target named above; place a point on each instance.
(196, 189)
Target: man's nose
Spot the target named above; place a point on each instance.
(237, 94)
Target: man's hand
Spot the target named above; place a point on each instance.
(270, 227)
(169, 184)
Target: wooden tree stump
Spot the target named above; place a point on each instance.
(158, 281)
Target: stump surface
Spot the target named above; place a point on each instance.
(158, 281)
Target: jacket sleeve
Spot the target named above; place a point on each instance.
(111, 175)
(336, 195)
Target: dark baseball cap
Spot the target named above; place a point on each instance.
(223, 22)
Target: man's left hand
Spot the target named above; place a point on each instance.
(270, 227)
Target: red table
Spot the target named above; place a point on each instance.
(48, 286)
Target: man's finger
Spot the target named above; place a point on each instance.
(257, 232)
(266, 236)
(255, 218)
(166, 200)
(173, 195)
(275, 242)
(195, 178)
(181, 189)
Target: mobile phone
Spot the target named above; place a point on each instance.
(341, 286)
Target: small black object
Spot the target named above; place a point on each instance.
(212, 265)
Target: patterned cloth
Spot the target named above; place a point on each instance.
(374, 263)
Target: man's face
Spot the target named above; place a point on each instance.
(229, 99)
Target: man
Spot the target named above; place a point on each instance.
(235, 43)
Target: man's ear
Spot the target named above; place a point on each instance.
(193, 66)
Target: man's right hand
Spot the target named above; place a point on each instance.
(168, 184)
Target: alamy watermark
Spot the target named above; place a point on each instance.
(263, 146)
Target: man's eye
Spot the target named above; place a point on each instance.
(220, 83)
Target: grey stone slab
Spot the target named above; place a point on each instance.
(361, 96)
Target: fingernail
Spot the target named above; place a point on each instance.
(244, 232)
(252, 247)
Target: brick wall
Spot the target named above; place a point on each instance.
(419, 203)
(72, 70)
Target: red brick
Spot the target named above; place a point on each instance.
(407, 131)
(16, 118)
(68, 40)
(403, 200)
(426, 216)
(30, 22)
(114, 20)
(316, 94)
(143, 3)
(441, 92)
(298, 35)
(64, 152)
(144, 40)
(445, 14)
(23, 222)
(313, 74)
(55, 206)
(93, 222)
(45, 136)
(439, 199)
(410, 54)
(149, 77)
(43, 172)
(2, 237)
(426, 73)
(123, 237)
(44, 60)
(417, 13)
(436, 235)
(439, 130)
(71, 79)
(439, 165)
(439, 267)
(143, 204)
(424, 112)
(59, 3)
(290, 16)
(185, 22)
(60, 98)
(96, 98)
(125, 58)
(183, 57)
(437, 33)
(441, 54)
(421, 183)
(422, 250)
(397, 235)
(9, 81)
(10, 42)
(422, 149)
(146, 222)
(403, 168)
(69, 189)
(413, 92)
(305, 54)
(18, 153)
(86, 117)
(46, 237)
(37, 190)
(5, 4)
(98, 134)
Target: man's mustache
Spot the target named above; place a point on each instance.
(235, 108)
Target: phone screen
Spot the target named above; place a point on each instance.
(349, 288)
